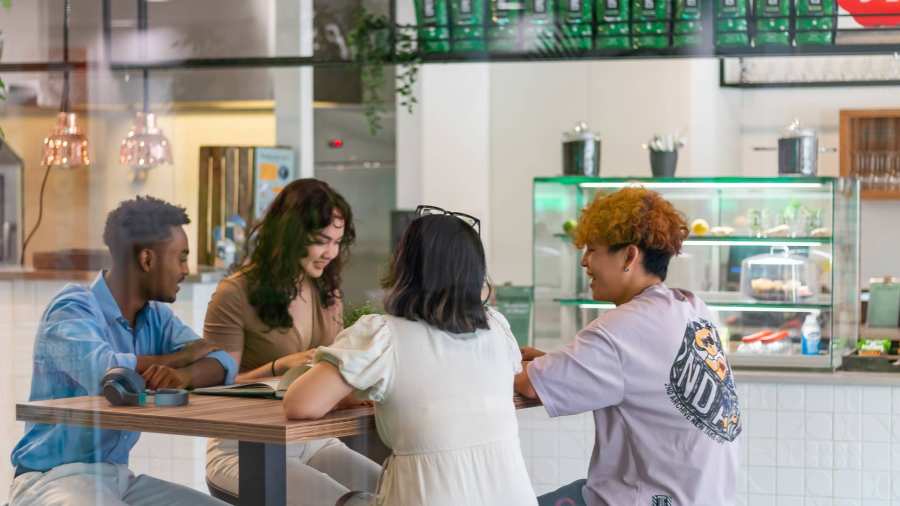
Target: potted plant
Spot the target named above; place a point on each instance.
(664, 153)
(375, 42)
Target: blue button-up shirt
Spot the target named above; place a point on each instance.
(81, 335)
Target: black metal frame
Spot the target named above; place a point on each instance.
(262, 470)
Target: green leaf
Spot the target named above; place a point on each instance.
(370, 42)
(354, 313)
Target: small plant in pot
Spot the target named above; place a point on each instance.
(664, 153)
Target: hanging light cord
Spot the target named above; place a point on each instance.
(64, 106)
(39, 217)
(65, 94)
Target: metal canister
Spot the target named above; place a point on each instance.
(581, 152)
(798, 151)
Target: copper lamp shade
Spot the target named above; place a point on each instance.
(66, 146)
(145, 146)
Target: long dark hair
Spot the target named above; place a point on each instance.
(279, 241)
(437, 274)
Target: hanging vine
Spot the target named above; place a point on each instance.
(377, 42)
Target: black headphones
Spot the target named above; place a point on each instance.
(125, 387)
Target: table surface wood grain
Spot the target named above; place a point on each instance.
(244, 419)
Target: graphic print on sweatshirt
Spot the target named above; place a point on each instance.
(701, 385)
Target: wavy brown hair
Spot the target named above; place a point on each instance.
(280, 240)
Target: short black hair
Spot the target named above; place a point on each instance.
(655, 261)
(437, 275)
(140, 223)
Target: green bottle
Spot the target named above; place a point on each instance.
(687, 24)
(773, 23)
(732, 29)
(434, 26)
(815, 23)
(503, 31)
(575, 18)
(467, 17)
(539, 32)
(613, 31)
(650, 23)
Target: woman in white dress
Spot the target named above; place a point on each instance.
(439, 367)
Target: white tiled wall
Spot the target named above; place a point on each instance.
(833, 444)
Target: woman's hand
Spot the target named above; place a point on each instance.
(288, 362)
(529, 353)
(350, 402)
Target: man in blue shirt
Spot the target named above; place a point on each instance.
(119, 321)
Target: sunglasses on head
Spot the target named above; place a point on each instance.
(467, 218)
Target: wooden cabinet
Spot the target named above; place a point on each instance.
(870, 150)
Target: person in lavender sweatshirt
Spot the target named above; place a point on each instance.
(652, 370)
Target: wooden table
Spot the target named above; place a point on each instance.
(258, 424)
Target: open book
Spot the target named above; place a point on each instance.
(273, 388)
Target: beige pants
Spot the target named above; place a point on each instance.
(101, 485)
(318, 472)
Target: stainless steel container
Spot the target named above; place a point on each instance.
(798, 151)
(581, 152)
(11, 204)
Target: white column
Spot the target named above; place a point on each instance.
(294, 86)
(409, 134)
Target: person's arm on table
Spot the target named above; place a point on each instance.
(316, 392)
(204, 365)
(522, 383)
(187, 355)
(202, 373)
(584, 375)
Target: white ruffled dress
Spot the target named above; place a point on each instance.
(443, 405)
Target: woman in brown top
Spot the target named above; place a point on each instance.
(271, 316)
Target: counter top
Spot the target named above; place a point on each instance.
(203, 275)
(818, 378)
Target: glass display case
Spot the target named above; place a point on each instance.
(765, 254)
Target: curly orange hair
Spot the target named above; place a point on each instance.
(632, 215)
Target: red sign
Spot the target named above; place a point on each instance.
(868, 13)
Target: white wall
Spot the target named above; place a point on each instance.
(531, 104)
(625, 102)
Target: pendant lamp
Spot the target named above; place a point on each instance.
(66, 146)
(145, 146)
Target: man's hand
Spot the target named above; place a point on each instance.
(529, 353)
(160, 376)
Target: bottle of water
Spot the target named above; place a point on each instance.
(811, 334)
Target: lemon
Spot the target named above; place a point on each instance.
(699, 227)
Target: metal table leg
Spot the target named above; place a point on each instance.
(263, 480)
